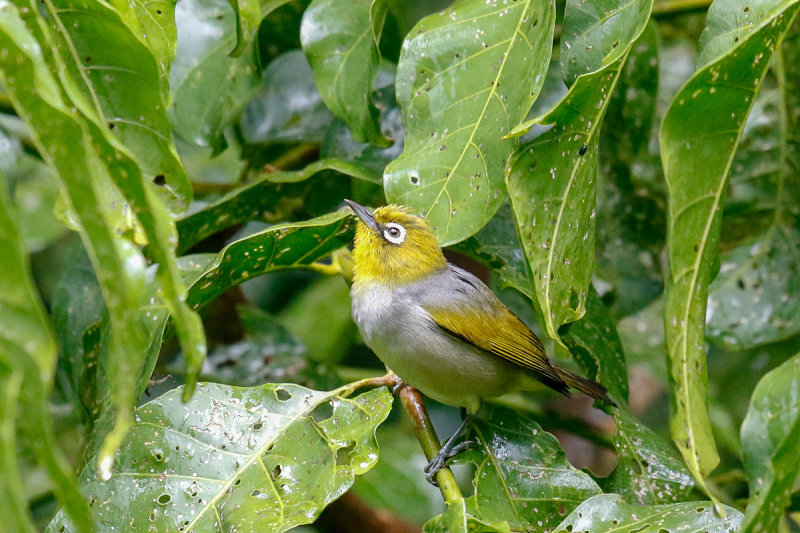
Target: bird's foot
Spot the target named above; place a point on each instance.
(441, 458)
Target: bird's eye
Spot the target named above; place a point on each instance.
(394, 233)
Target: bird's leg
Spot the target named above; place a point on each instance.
(448, 450)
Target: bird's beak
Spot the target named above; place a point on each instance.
(364, 214)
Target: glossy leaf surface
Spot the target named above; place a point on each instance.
(264, 458)
(700, 131)
(552, 183)
(340, 39)
(522, 475)
(154, 23)
(771, 443)
(209, 88)
(609, 513)
(462, 85)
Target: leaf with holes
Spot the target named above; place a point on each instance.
(466, 76)
(153, 21)
(608, 513)
(552, 184)
(649, 470)
(266, 458)
(771, 443)
(522, 475)
(266, 198)
(340, 39)
(698, 139)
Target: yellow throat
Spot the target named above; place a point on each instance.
(393, 247)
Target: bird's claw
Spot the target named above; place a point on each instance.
(440, 460)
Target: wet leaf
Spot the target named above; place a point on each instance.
(154, 23)
(771, 443)
(698, 138)
(460, 91)
(340, 39)
(649, 470)
(552, 180)
(86, 38)
(266, 198)
(754, 298)
(293, 244)
(522, 475)
(209, 87)
(266, 458)
(27, 360)
(287, 106)
(68, 145)
(608, 512)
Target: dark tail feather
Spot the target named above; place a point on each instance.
(586, 386)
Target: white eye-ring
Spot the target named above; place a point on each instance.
(394, 233)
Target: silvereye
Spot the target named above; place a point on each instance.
(438, 327)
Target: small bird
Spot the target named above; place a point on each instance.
(438, 327)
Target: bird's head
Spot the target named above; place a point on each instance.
(393, 246)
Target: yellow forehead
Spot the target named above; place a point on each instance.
(399, 215)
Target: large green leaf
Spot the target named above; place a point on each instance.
(267, 198)
(12, 497)
(771, 443)
(290, 245)
(68, 145)
(209, 87)
(552, 180)
(649, 470)
(608, 513)
(340, 39)
(522, 476)
(466, 76)
(27, 358)
(266, 458)
(698, 138)
(122, 93)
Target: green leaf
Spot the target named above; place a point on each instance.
(462, 85)
(27, 355)
(552, 181)
(209, 87)
(608, 513)
(522, 475)
(121, 93)
(12, 497)
(599, 36)
(287, 107)
(290, 245)
(153, 22)
(649, 470)
(771, 443)
(266, 458)
(698, 138)
(340, 39)
(68, 145)
(248, 17)
(755, 297)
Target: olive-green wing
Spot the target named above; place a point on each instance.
(500, 332)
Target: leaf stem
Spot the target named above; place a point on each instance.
(423, 429)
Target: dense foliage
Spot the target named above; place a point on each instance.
(176, 348)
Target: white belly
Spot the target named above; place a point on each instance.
(409, 342)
